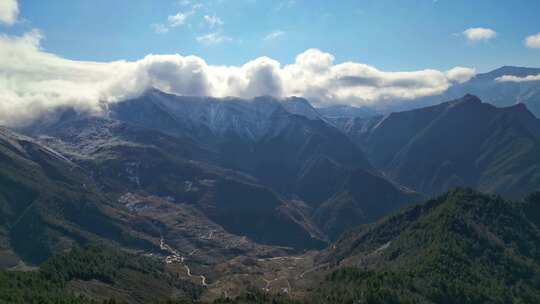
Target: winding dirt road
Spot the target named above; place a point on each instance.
(175, 257)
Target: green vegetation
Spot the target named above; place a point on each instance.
(257, 297)
(143, 279)
(463, 247)
(354, 285)
(30, 287)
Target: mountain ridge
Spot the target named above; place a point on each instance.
(456, 248)
(463, 142)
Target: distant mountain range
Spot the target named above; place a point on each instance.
(459, 143)
(486, 86)
(285, 144)
(502, 94)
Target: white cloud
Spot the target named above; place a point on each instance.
(213, 21)
(285, 4)
(9, 10)
(274, 35)
(160, 28)
(213, 38)
(193, 4)
(33, 81)
(460, 74)
(511, 78)
(178, 19)
(479, 34)
(533, 41)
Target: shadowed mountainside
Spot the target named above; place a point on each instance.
(459, 143)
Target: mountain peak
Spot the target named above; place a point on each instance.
(469, 98)
(520, 107)
(153, 91)
(297, 99)
(300, 106)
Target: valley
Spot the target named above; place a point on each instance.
(269, 200)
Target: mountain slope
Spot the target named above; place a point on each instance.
(363, 198)
(272, 140)
(286, 146)
(207, 116)
(126, 159)
(460, 143)
(463, 247)
(48, 203)
(345, 111)
(96, 274)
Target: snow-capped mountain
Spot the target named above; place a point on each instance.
(251, 119)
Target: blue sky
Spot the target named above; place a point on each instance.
(393, 35)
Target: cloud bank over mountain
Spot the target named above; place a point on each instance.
(33, 81)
